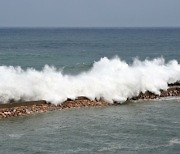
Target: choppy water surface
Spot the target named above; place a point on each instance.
(76, 49)
(141, 127)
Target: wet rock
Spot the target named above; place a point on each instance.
(24, 108)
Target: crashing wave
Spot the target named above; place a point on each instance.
(108, 79)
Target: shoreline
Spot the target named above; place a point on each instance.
(31, 107)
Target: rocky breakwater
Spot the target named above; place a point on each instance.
(170, 92)
(31, 107)
(24, 108)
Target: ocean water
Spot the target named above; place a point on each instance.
(76, 49)
(134, 128)
(110, 63)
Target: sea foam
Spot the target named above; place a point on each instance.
(109, 79)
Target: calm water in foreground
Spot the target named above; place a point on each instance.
(141, 127)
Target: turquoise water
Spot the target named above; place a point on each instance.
(136, 127)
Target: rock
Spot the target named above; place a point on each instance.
(43, 106)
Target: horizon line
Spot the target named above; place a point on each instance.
(89, 27)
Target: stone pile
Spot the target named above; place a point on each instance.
(171, 91)
(42, 106)
(31, 107)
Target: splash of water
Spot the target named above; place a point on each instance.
(110, 79)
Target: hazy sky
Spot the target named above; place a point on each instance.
(89, 13)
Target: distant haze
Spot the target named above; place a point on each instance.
(89, 13)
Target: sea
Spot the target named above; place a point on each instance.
(113, 64)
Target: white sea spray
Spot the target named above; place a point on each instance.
(110, 79)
